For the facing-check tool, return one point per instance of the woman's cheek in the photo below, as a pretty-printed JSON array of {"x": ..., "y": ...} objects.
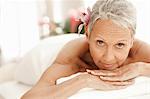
[
  {"x": 96, "y": 54},
  {"x": 121, "y": 56}
]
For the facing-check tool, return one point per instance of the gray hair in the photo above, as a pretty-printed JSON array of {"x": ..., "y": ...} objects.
[{"x": 121, "y": 12}]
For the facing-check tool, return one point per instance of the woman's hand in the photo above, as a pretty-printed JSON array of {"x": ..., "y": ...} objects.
[
  {"x": 95, "y": 82},
  {"x": 124, "y": 73}
]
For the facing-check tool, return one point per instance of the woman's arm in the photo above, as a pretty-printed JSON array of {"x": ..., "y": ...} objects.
[
  {"x": 61, "y": 91},
  {"x": 66, "y": 89},
  {"x": 56, "y": 71},
  {"x": 49, "y": 78},
  {"x": 145, "y": 71}
]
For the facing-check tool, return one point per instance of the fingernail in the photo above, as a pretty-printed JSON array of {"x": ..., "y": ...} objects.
[
  {"x": 103, "y": 77},
  {"x": 92, "y": 72},
  {"x": 88, "y": 70}
]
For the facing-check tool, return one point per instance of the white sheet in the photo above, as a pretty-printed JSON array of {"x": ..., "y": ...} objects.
[
  {"x": 13, "y": 90},
  {"x": 140, "y": 90}
]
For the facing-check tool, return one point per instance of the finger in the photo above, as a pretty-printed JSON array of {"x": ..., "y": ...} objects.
[
  {"x": 89, "y": 71},
  {"x": 119, "y": 85},
  {"x": 123, "y": 83},
  {"x": 102, "y": 73},
  {"x": 113, "y": 87},
  {"x": 116, "y": 78}
]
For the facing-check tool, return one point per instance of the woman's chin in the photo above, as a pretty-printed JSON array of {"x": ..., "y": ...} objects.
[{"x": 108, "y": 67}]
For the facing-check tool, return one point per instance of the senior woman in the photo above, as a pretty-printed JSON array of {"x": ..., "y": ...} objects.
[{"x": 109, "y": 56}]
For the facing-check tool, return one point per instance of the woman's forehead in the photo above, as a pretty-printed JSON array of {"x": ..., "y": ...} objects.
[{"x": 107, "y": 29}]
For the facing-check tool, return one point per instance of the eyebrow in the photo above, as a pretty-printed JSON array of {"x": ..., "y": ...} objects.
[{"x": 105, "y": 40}]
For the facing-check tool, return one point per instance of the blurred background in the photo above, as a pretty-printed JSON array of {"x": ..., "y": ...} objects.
[{"x": 23, "y": 23}]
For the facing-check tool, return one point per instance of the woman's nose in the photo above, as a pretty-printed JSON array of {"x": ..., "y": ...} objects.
[{"x": 109, "y": 56}]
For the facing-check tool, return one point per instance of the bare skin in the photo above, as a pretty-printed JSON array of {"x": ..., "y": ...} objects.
[{"x": 81, "y": 54}]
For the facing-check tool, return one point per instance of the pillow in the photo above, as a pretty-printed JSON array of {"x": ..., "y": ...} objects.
[{"x": 36, "y": 61}]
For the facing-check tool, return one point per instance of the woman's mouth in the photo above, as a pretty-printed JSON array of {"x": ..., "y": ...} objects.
[{"x": 108, "y": 65}]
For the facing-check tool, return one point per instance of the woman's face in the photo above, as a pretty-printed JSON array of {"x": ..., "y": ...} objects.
[{"x": 109, "y": 44}]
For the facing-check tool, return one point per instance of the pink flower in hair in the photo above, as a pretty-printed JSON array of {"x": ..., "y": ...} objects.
[{"x": 84, "y": 16}]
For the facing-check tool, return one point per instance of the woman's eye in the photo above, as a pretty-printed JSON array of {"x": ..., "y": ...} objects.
[
  {"x": 100, "y": 42},
  {"x": 120, "y": 45}
]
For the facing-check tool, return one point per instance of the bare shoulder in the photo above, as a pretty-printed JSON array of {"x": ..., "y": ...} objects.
[
  {"x": 140, "y": 51},
  {"x": 65, "y": 63},
  {"x": 73, "y": 49}
]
